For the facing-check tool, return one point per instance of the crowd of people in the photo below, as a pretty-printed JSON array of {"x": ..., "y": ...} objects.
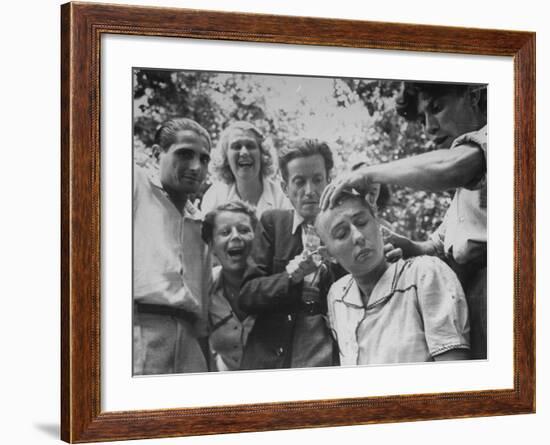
[{"x": 306, "y": 274}]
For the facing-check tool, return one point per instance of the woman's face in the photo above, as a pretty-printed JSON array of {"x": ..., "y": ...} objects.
[
  {"x": 232, "y": 240},
  {"x": 448, "y": 116},
  {"x": 352, "y": 236},
  {"x": 243, "y": 155}
]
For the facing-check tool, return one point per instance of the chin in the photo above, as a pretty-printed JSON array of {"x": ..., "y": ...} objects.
[{"x": 308, "y": 212}]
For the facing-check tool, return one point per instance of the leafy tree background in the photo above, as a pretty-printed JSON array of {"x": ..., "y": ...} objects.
[{"x": 356, "y": 117}]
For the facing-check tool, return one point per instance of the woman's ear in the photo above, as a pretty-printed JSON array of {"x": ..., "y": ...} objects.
[{"x": 156, "y": 151}]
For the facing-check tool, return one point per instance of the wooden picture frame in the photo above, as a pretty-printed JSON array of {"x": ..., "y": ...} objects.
[{"x": 82, "y": 26}]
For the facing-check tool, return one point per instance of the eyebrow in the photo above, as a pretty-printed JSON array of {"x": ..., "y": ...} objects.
[
  {"x": 203, "y": 151},
  {"x": 359, "y": 213}
]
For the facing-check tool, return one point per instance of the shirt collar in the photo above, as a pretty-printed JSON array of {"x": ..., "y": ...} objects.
[
  {"x": 382, "y": 290},
  {"x": 189, "y": 210},
  {"x": 296, "y": 221}
]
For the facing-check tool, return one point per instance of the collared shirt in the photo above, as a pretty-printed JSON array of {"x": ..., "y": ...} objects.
[
  {"x": 171, "y": 262},
  {"x": 220, "y": 193},
  {"x": 416, "y": 311},
  {"x": 228, "y": 334},
  {"x": 297, "y": 222},
  {"x": 463, "y": 233}
]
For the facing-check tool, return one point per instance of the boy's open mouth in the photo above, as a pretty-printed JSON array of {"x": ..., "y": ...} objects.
[{"x": 235, "y": 252}]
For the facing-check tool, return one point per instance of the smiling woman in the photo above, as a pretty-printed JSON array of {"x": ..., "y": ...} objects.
[{"x": 243, "y": 165}]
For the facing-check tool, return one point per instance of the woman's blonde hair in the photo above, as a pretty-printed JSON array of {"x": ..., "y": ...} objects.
[{"x": 220, "y": 164}]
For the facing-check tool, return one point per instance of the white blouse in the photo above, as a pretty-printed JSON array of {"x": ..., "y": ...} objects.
[{"x": 219, "y": 193}]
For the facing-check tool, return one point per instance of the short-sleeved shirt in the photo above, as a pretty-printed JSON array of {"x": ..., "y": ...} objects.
[
  {"x": 228, "y": 334},
  {"x": 171, "y": 262},
  {"x": 220, "y": 193},
  {"x": 416, "y": 311},
  {"x": 463, "y": 233}
]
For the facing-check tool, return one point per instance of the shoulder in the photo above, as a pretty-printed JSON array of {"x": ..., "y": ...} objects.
[
  {"x": 277, "y": 216},
  {"x": 429, "y": 271},
  {"x": 140, "y": 175},
  {"x": 142, "y": 183},
  {"x": 423, "y": 264},
  {"x": 274, "y": 188},
  {"x": 218, "y": 190},
  {"x": 216, "y": 194},
  {"x": 340, "y": 287},
  {"x": 477, "y": 138},
  {"x": 274, "y": 196}
]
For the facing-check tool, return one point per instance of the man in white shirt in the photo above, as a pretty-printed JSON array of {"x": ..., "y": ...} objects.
[{"x": 171, "y": 267}]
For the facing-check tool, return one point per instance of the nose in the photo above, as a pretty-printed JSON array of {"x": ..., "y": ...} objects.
[
  {"x": 356, "y": 236},
  {"x": 432, "y": 125},
  {"x": 195, "y": 164},
  {"x": 243, "y": 150},
  {"x": 309, "y": 188},
  {"x": 235, "y": 233}
]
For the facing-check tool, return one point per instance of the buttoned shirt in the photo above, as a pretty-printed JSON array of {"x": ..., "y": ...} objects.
[
  {"x": 171, "y": 263},
  {"x": 463, "y": 233},
  {"x": 220, "y": 193},
  {"x": 416, "y": 311},
  {"x": 228, "y": 334}
]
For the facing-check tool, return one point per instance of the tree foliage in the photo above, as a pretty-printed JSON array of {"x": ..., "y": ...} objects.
[{"x": 357, "y": 117}]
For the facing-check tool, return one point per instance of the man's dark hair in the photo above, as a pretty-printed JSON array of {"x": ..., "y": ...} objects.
[
  {"x": 407, "y": 100},
  {"x": 304, "y": 148},
  {"x": 166, "y": 134}
]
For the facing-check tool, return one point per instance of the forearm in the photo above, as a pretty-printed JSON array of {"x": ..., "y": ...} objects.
[
  {"x": 418, "y": 248},
  {"x": 437, "y": 170},
  {"x": 261, "y": 293}
]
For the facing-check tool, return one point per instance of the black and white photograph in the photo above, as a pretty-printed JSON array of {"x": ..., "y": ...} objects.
[{"x": 284, "y": 221}]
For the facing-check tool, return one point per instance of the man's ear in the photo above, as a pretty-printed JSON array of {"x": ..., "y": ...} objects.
[{"x": 156, "y": 151}]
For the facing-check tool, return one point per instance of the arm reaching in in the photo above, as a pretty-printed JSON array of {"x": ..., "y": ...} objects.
[{"x": 436, "y": 170}]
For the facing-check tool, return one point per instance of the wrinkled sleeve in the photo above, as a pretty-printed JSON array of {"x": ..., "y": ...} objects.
[
  {"x": 443, "y": 306},
  {"x": 476, "y": 139}
]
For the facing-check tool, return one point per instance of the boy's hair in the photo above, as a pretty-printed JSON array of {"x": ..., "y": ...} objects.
[
  {"x": 220, "y": 164},
  {"x": 303, "y": 148},
  {"x": 237, "y": 206},
  {"x": 407, "y": 100},
  {"x": 167, "y": 133}
]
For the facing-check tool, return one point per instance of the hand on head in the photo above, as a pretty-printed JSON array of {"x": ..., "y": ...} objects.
[{"x": 358, "y": 180}]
